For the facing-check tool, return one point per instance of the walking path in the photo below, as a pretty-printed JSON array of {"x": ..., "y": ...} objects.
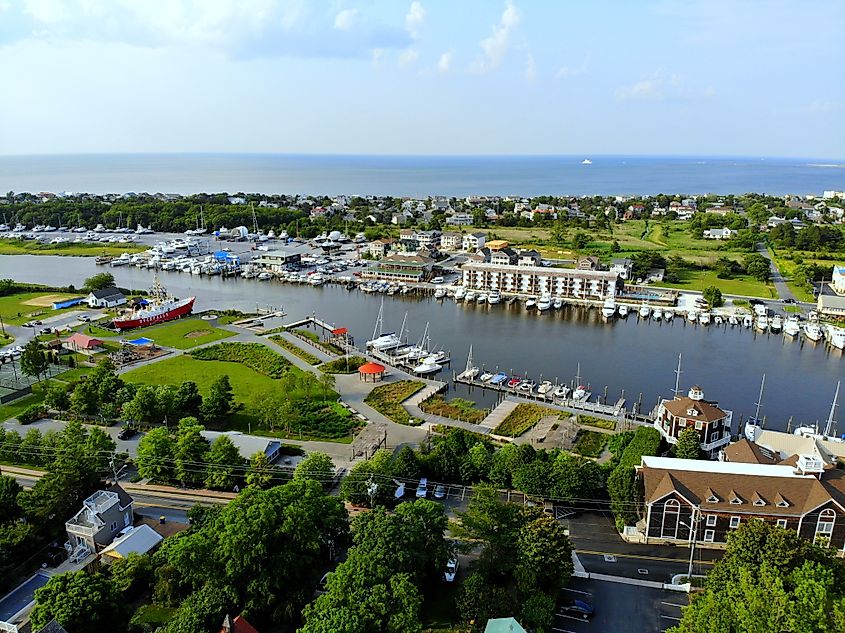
[{"x": 497, "y": 415}]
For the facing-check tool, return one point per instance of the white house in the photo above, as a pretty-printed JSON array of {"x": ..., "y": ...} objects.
[
  {"x": 473, "y": 241},
  {"x": 719, "y": 234},
  {"x": 622, "y": 267},
  {"x": 459, "y": 218},
  {"x": 837, "y": 281},
  {"x": 105, "y": 298}
]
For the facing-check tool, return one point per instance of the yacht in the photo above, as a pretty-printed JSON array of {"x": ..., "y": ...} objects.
[
  {"x": 718, "y": 320},
  {"x": 645, "y": 311},
  {"x": 623, "y": 311},
  {"x": 608, "y": 310},
  {"x": 776, "y": 324},
  {"x": 580, "y": 393},
  {"x": 668, "y": 315},
  {"x": 560, "y": 392},
  {"x": 527, "y": 386},
  {"x": 836, "y": 336},
  {"x": 791, "y": 327},
  {"x": 494, "y": 297},
  {"x": 586, "y": 161},
  {"x": 747, "y": 321},
  {"x": 439, "y": 293},
  {"x": 692, "y": 316},
  {"x": 429, "y": 365},
  {"x": 545, "y": 387},
  {"x": 530, "y": 304},
  {"x": 762, "y": 322},
  {"x": 470, "y": 296},
  {"x": 460, "y": 293},
  {"x": 704, "y": 318},
  {"x": 486, "y": 376},
  {"x": 481, "y": 298},
  {"x": 557, "y": 304},
  {"x": 544, "y": 302},
  {"x": 813, "y": 332},
  {"x": 657, "y": 314}
]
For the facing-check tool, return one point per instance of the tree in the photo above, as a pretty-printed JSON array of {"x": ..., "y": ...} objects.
[
  {"x": 99, "y": 281},
  {"x": 132, "y": 574},
  {"x": 317, "y": 466},
  {"x": 143, "y": 408},
  {"x": 33, "y": 361},
  {"x": 538, "y": 611},
  {"x": 480, "y": 601},
  {"x": 769, "y": 579},
  {"x": 189, "y": 451},
  {"x": 218, "y": 403},
  {"x": 580, "y": 241},
  {"x": 713, "y": 296},
  {"x": 9, "y": 508},
  {"x": 155, "y": 455},
  {"x": 84, "y": 398},
  {"x": 544, "y": 556},
  {"x": 223, "y": 461},
  {"x": 260, "y": 473},
  {"x": 688, "y": 445},
  {"x": 188, "y": 400},
  {"x": 57, "y": 397},
  {"x": 757, "y": 266},
  {"x": 80, "y": 602}
]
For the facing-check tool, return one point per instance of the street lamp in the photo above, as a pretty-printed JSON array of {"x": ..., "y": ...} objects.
[{"x": 693, "y": 533}]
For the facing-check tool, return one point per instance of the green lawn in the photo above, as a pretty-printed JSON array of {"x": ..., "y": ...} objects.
[
  {"x": 182, "y": 333},
  {"x": 590, "y": 443},
  {"x": 153, "y": 615},
  {"x": 522, "y": 418},
  {"x": 14, "y": 408},
  {"x": 32, "y": 247},
  {"x": 787, "y": 269},
  {"x": 739, "y": 285},
  {"x": 19, "y": 308},
  {"x": 387, "y": 399}
]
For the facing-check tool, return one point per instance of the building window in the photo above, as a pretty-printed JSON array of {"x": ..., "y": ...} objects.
[
  {"x": 712, "y": 499},
  {"x": 114, "y": 526},
  {"x": 781, "y": 523},
  {"x": 734, "y": 522},
  {"x": 699, "y": 425},
  {"x": 711, "y": 520},
  {"x": 736, "y": 501},
  {"x": 671, "y": 513},
  {"x": 824, "y": 526},
  {"x": 709, "y": 535}
]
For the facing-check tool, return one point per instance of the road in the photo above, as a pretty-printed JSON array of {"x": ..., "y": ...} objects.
[{"x": 777, "y": 279}]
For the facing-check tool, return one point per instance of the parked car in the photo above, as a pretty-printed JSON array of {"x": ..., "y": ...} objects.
[
  {"x": 422, "y": 489},
  {"x": 84, "y": 317},
  {"x": 126, "y": 433},
  {"x": 790, "y": 300},
  {"x": 439, "y": 491},
  {"x": 577, "y": 609},
  {"x": 451, "y": 570},
  {"x": 437, "y": 280}
]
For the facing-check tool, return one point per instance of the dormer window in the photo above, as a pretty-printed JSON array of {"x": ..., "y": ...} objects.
[
  {"x": 783, "y": 503},
  {"x": 735, "y": 500},
  {"x": 712, "y": 499},
  {"x": 692, "y": 412},
  {"x": 758, "y": 500}
]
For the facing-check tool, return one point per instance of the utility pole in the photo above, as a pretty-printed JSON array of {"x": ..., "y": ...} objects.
[{"x": 694, "y": 533}]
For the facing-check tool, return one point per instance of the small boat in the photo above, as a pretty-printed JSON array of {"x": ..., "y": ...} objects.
[
  {"x": 645, "y": 311},
  {"x": 747, "y": 321},
  {"x": 486, "y": 376},
  {"x": 776, "y": 324},
  {"x": 527, "y": 386},
  {"x": 704, "y": 318},
  {"x": 557, "y": 304},
  {"x": 471, "y": 370},
  {"x": 544, "y": 302},
  {"x": 561, "y": 392},
  {"x": 494, "y": 297},
  {"x": 668, "y": 315},
  {"x": 718, "y": 320},
  {"x": 481, "y": 298},
  {"x": 791, "y": 327},
  {"x": 813, "y": 332},
  {"x": 586, "y": 161},
  {"x": 499, "y": 378},
  {"x": 513, "y": 383},
  {"x": 762, "y": 323},
  {"x": 460, "y": 293},
  {"x": 608, "y": 310},
  {"x": 440, "y": 293},
  {"x": 692, "y": 316},
  {"x": 657, "y": 314},
  {"x": 580, "y": 393},
  {"x": 545, "y": 387},
  {"x": 733, "y": 320},
  {"x": 812, "y": 315},
  {"x": 428, "y": 366},
  {"x": 530, "y": 304},
  {"x": 836, "y": 336},
  {"x": 470, "y": 296},
  {"x": 623, "y": 311},
  {"x": 265, "y": 276}
]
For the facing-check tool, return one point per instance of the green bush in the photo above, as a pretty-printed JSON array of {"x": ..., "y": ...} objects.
[
  {"x": 456, "y": 409},
  {"x": 256, "y": 356},
  {"x": 343, "y": 365},
  {"x": 599, "y": 423},
  {"x": 590, "y": 443},
  {"x": 387, "y": 399},
  {"x": 522, "y": 418},
  {"x": 295, "y": 350},
  {"x": 32, "y": 413}
]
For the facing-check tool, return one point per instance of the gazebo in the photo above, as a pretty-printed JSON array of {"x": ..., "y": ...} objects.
[{"x": 371, "y": 372}]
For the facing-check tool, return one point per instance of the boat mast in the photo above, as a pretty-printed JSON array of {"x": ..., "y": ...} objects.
[
  {"x": 678, "y": 372},
  {"x": 469, "y": 360},
  {"x": 402, "y": 329},
  {"x": 254, "y": 219},
  {"x": 578, "y": 375},
  {"x": 759, "y": 401},
  {"x": 378, "y": 327},
  {"x": 833, "y": 406}
]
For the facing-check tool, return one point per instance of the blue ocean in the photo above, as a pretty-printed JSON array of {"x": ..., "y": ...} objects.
[{"x": 417, "y": 175}]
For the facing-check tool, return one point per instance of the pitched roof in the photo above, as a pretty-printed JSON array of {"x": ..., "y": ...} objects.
[
  {"x": 701, "y": 410},
  {"x": 138, "y": 540},
  {"x": 83, "y": 341},
  {"x": 750, "y": 453},
  {"x": 52, "y": 627},
  {"x": 503, "y": 625},
  {"x": 238, "y": 624},
  {"x": 104, "y": 293},
  {"x": 124, "y": 497},
  {"x": 698, "y": 481}
]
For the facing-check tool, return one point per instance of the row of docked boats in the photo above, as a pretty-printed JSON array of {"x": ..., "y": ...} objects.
[
  {"x": 421, "y": 358},
  {"x": 542, "y": 303}
]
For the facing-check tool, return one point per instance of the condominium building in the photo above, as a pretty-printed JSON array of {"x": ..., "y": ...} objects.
[{"x": 592, "y": 285}]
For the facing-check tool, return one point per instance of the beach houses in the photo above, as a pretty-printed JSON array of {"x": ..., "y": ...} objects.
[
  {"x": 103, "y": 515},
  {"x": 379, "y": 248},
  {"x": 837, "y": 280},
  {"x": 451, "y": 240},
  {"x": 593, "y": 285},
  {"x": 473, "y": 241},
  {"x": 622, "y": 267},
  {"x": 719, "y": 234},
  {"x": 712, "y": 423}
]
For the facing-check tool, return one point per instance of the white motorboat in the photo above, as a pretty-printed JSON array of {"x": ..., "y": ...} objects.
[
  {"x": 580, "y": 393},
  {"x": 668, "y": 315},
  {"x": 494, "y": 297},
  {"x": 526, "y": 386},
  {"x": 460, "y": 293},
  {"x": 545, "y": 387},
  {"x": 747, "y": 321},
  {"x": 704, "y": 318},
  {"x": 530, "y": 304},
  {"x": 481, "y": 298},
  {"x": 428, "y": 366},
  {"x": 486, "y": 376},
  {"x": 813, "y": 332},
  {"x": 623, "y": 311},
  {"x": 718, "y": 320},
  {"x": 733, "y": 320},
  {"x": 657, "y": 315},
  {"x": 791, "y": 327},
  {"x": 560, "y": 392},
  {"x": 470, "y": 296},
  {"x": 557, "y": 304},
  {"x": 440, "y": 292},
  {"x": 836, "y": 336},
  {"x": 776, "y": 324},
  {"x": 608, "y": 310},
  {"x": 762, "y": 322},
  {"x": 692, "y": 316},
  {"x": 645, "y": 311},
  {"x": 544, "y": 302}
]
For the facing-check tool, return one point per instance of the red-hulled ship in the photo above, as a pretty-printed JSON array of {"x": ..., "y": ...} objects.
[{"x": 159, "y": 308}]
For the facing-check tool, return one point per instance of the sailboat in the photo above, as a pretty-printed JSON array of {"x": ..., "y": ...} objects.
[
  {"x": 813, "y": 431},
  {"x": 471, "y": 370},
  {"x": 755, "y": 423},
  {"x": 382, "y": 341},
  {"x": 201, "y": 228}
]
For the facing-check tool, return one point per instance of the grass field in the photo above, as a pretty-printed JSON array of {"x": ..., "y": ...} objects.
[
  {"x": 32, "y": 247},
  {"x": 387, "y": 399},
  {"x": 456, "y": 409},
  {"x": 20, "y": 308},
  {"x": 13, "y": 408},
  {"x": 522, "y": 418},
  {"x": 739, "y": 285},
  {"x": 787, "y": 270},
  {"x": 181, "y": 334}
]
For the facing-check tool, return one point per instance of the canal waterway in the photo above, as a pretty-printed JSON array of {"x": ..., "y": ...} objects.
[{"x": 630, "y": 355}]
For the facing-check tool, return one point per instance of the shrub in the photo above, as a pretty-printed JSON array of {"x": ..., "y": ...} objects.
[
  {"x": 590, "y": 443},
  {"x": 295, "y": 350},
  {"x": 32, "y": 413},
  {"x": 456, "y": 409},
  {"x": 599, "y": 423},
  {"x": 522, "y": 418},
  {"x": 387, "y": 399},
  {"x": 256, "y": 356},
  {"x": 343, "y": 365}
]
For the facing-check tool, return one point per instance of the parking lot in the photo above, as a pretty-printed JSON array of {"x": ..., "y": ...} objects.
[{"x": 620, "y": 607}]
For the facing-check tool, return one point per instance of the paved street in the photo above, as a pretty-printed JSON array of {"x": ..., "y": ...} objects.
[{"x": 777, "y": 279}]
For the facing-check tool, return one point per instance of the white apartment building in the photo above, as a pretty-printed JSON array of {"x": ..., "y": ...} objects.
[{"x": 591, "y": 285}]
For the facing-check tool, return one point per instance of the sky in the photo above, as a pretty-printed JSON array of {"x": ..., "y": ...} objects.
[{"x": 663, "y": 77}]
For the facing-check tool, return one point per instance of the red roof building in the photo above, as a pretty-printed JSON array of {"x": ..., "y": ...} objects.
[
  {"x": 237, "y": 625},
  {"x": 78, "y": 342},
  {"x": 371, "y": 371}
]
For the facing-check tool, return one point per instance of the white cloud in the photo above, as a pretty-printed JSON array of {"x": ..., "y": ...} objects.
[
  {"x": 497, "y": 43},
  {"x": 408, "y": 57},
  {"x": 343, "y": 20},
  {"x": 569, "y": 71},
  {"x": 530, "y": 68},
  {"x": 663, "y": 87},
  {"x": 445, "y": 62},
  {"x": 414, "y": 18}
]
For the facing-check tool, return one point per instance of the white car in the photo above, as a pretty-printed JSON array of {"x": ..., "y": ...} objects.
[
  {"x": 439, "y": 491},
  {"x": 451, "y": 570},
  {"x": 422, "y": 489},
  {"x": 437, "y": 280}
]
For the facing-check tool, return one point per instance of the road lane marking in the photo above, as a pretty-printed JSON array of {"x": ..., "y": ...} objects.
[
  {"x": 643, "y": 557},
  {"x": 672, "y": 604},
  {"x": 583, "y": 593},
  {"x": 670, "y": 617}
]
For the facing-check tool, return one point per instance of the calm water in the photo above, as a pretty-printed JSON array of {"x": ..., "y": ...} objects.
[
  {"x": 417, "y": 175},
  {"x": 636, "y": 357}
]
